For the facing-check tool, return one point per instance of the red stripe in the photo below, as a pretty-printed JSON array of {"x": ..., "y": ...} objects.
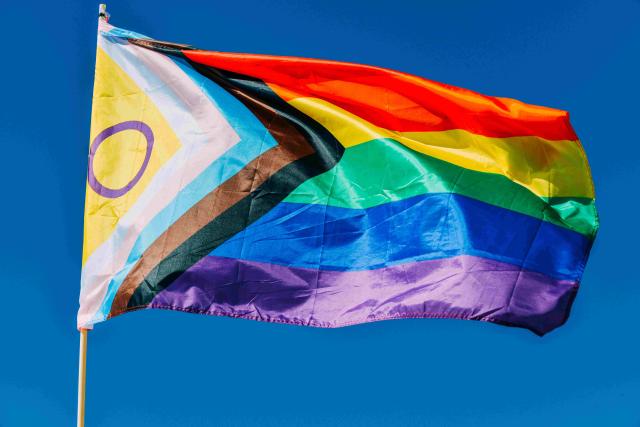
[{"x": 394, "y": 100}]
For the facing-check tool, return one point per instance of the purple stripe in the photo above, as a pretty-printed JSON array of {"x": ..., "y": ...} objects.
[{"x": 463, "y": 287}]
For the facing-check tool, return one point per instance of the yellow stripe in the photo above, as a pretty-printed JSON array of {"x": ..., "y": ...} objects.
[{"x": 546, "y": 168}]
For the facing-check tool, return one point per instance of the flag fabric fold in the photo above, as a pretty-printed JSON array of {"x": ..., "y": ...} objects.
[{"x": 323, "y": 193}]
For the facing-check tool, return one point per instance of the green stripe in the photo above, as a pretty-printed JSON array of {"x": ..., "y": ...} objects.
[{"x": 383, "y": 170}]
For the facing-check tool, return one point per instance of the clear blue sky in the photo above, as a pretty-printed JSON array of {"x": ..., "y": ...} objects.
[{"x": 170, "y": 369}]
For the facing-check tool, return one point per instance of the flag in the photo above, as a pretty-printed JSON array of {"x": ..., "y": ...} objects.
[{"x": 323, "y": 193}]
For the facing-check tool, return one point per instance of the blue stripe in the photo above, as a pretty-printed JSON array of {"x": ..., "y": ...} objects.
[{"x": 430, "y": 226}]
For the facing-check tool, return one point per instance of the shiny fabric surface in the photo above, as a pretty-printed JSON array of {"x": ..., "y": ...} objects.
[
  {"x": 321, "y": 193},
  {"x": 462, "y": 287}
]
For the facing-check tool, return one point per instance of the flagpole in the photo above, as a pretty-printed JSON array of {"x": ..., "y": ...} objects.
[
  {"x": 82, "y": 358},
  {"x": 82, "y": 375}
]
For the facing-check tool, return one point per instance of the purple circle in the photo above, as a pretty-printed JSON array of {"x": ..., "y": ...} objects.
[{"x": 96, "y": 185}]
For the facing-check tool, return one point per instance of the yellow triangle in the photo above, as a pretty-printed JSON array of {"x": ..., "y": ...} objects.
[{"x": 119, "y": 158}]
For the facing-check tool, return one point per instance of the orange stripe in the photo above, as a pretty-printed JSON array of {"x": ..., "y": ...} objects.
[{"x": 394, "y": 100}]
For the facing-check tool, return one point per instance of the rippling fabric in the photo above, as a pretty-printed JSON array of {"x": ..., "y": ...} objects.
[{"x": 322, "y": 193}]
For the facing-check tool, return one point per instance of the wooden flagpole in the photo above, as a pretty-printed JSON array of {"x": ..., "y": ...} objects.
[
  {"x": 82, "y": 375},
  {"x": 82, "y": 360}
]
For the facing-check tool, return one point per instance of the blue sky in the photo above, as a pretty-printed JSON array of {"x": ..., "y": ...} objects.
[{"x": 166, "y": 369}]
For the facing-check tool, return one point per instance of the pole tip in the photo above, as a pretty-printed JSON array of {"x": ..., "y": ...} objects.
[{"x": 102, "y": 12}]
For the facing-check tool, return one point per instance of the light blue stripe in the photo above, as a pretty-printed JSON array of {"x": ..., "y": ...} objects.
[
  {"x": 255, "y": 139},
  {"x": 124, "y": 34}
]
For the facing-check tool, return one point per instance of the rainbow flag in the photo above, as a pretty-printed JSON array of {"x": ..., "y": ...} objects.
[{"x": 324, "y": 193}]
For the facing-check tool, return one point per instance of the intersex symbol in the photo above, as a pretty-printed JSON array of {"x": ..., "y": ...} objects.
[{"x": 96, "y": 185}]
